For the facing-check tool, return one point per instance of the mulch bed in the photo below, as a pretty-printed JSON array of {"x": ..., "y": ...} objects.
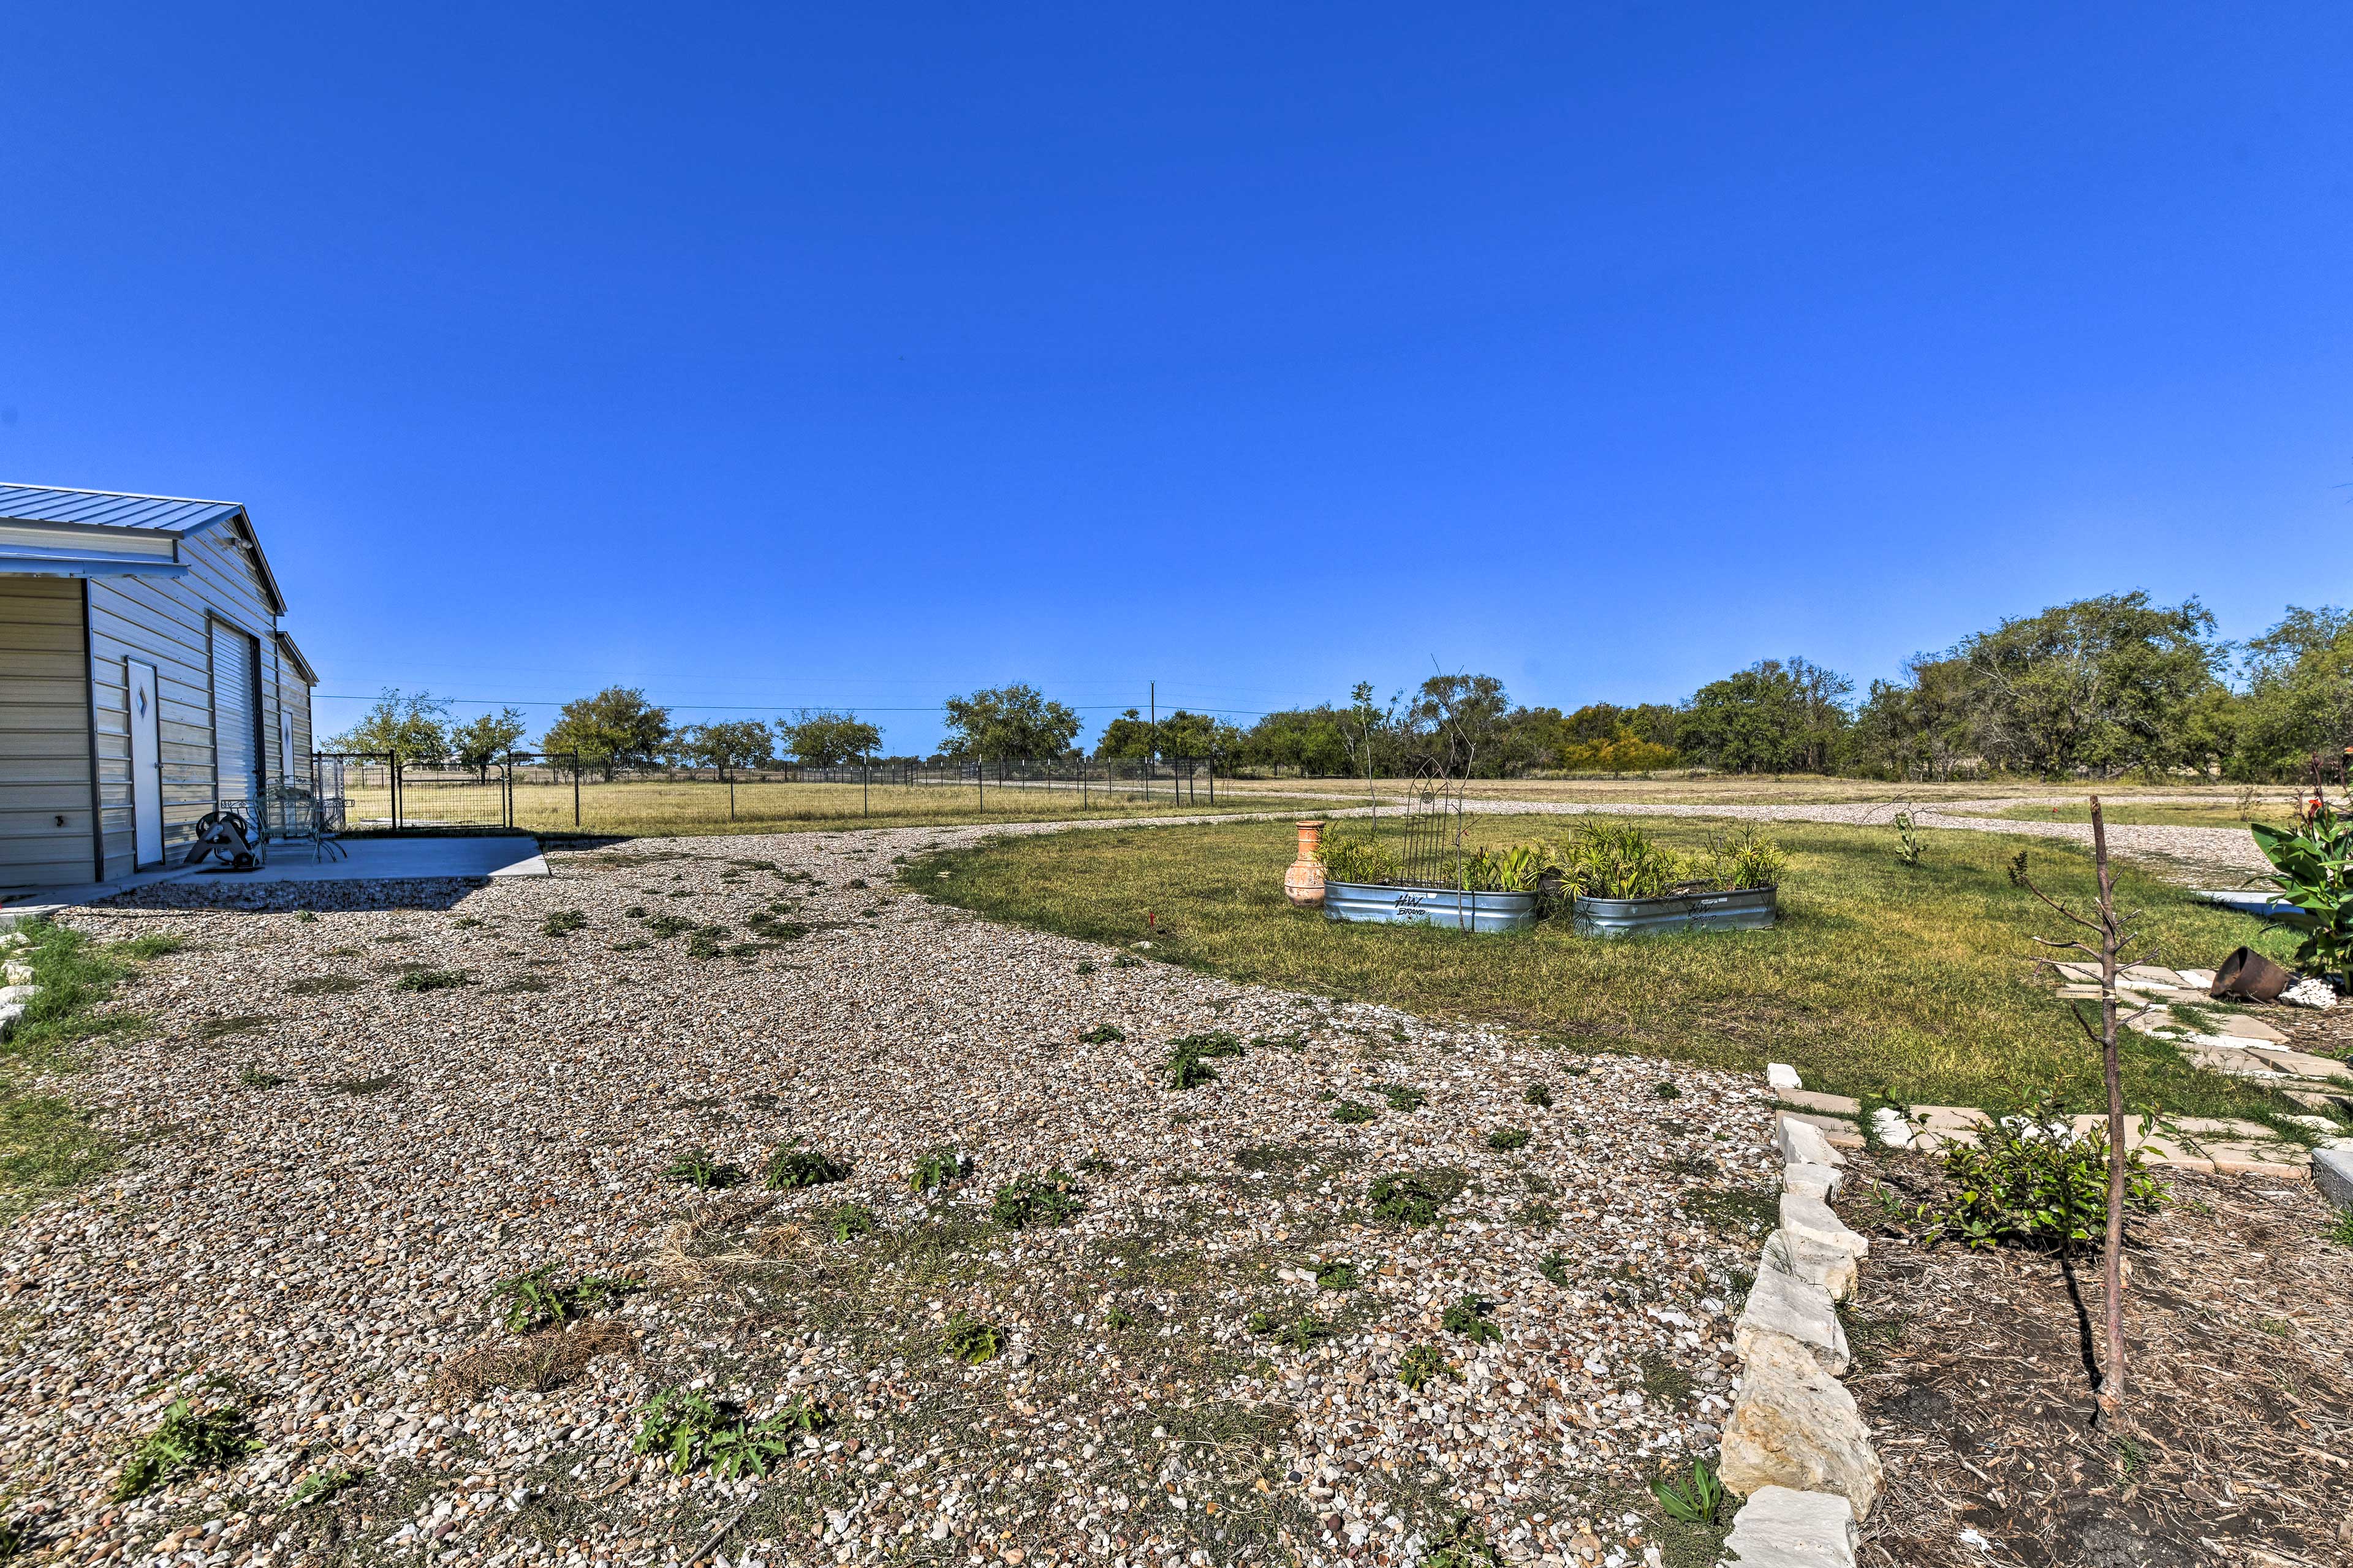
[{"x": 1974, "y": 1372}]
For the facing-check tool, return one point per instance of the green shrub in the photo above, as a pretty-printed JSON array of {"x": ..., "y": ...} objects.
[
  {"x": 2029, "y": 1180},
  {"x": 1042, "y": 1197},
  {"x": 1746, "y": 859},
  {"x": 2312, "y": 865},
  {"x": 1504, "y": 1140},
  {"x": 1606, "y": 859},
  {"x": 185, "y": 1441},
  {"x": 793, "y": 1168}
]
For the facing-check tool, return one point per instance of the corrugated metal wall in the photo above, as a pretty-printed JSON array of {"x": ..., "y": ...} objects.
[
  {"x": 44, "y": 734},
  {"x": 164, "y": 619}
]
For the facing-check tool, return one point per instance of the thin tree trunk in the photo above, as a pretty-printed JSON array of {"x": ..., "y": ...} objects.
[{"x": 2112, "y": 1382}]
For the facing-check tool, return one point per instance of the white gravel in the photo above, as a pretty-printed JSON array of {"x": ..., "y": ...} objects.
[{"x": 320, "y": 1251}]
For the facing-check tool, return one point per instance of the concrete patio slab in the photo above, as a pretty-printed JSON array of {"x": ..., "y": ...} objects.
[{"x": 492, "y": 858}]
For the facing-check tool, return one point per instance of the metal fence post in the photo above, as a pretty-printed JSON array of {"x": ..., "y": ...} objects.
[
  {"x": 395, "y": 792},
  {"x": 576, "y": 790}
]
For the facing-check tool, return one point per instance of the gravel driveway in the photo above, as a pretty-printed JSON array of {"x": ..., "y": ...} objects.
[{"x": 1172, "y": 1381}]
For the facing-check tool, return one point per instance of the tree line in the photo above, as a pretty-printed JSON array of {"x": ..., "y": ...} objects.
[{"x": 2099, "y": 687}]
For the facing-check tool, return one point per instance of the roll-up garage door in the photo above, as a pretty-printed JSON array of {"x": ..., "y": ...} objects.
[{"x": 236, "y": 707}]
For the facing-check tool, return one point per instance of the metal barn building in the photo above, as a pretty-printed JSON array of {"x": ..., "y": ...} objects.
[{"x": 144, "y": 680}]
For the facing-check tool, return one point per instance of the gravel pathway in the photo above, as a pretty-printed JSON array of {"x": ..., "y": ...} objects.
[{"x": 329, "y": 1173}]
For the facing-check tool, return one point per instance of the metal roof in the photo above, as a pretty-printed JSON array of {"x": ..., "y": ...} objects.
[{"x": 109, "y": 508}]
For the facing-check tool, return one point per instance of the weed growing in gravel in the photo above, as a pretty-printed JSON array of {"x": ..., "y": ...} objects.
[
  {"x": 1537, "y": 1214},
  {"x": 968, "y": 1340},
  {"x": 1696, "y": 1502},
  {"x": 320, "y": 1485},
  {"x": 433, "y": 979},
  {"x": 324, "y": 985},
  {"x": 634, "y": 944},
  {"x": 1103, "y": 1034},
  {"x": 668, "y": 926},
  {"x": 1743, "y": 1211},
  {"x": 1188, "y": 1065},
  {"x": 698, "y": 1169},
  {"x": 1337, "y": 1276},
  {"x": 563, "y": 922},
  {"x": 183, "y": 1442},
  {"x": 254, "y": 1078},
  {"x": 1663, "y": 1380},
  {"x": 523, "y": 983},
  {"x": 1419, "y": 1366},
  {"x": 1555, "y": 1269},
  {"x": 940, "y": 1167},
  {"x": 1123, "y": 962},
  {"x": 793, "y": 1168},
  {"x": 847, "y": 1222},
  {"x": 532, "y": 1301},
  {"x": 1216, "y": 1043},
  {"x": 706, "y": 942},
  {"x": 634, "y": 913},
  {"x": 1118, "y": 1319},
  {"x": 2341, "y": 1233},
  {"x": 1304, "y": 1332},
  {"x": 343, "y": 952},
  {"x": 1039, "y": 1197},
  {"x": 767, "y": 926},
  {"x": 468, "y": 922},
  {"x": 1538, "y": 1096},
  {"x": 155, "y": 945},
  {"x": 690, "y": 1432},
  {"x": 1465, "y": 1546},
  {"x": 1469, "y": 1318},
  {"x": 1349, "y": 1112},
  {"x": 1414, "y": 1197},
  {"x": 1666, "y": 1091},
  {"x": 306, "y": 915},
  {"x": 1507, "y": 1140},
  {"x": 1402, "y": 1097},
  {"x": 221, "y": 1028},
  {"x": 1085, "y": 967}
]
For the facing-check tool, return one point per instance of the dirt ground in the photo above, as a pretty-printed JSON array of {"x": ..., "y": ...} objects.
[{"x": 1974, "y": 1371}]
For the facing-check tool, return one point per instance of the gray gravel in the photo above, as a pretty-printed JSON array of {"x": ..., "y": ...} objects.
[{"x": 319, "y": 1252}]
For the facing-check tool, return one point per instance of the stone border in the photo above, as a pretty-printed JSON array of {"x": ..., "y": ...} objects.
[{"x": 1795, "y": 1446}]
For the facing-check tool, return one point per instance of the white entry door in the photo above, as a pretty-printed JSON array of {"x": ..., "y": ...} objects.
[{"x": 146, "y": 766}]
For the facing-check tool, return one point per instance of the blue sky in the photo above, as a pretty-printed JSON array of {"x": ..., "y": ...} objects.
[{"x": 856, "y": 355}]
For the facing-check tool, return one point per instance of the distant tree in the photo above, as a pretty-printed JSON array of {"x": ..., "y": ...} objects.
[
  {"x": 488, "y": 738},
  {"x": 731, "y": 746},
  {"x": 617, "y": 727},
  {"x": 1128, "y": 738},
  {"x": 411, "y": 728},
  {"x": 1773, "y": 716},
  {"x": 1192, "y": 736},
  {"x": 1370, "y": 735},
  {"x": 824, "y": 738},
  {"x": 2098, "y": 686},
  {"x": 2299, "y": 698},
  {"x": 1006, "y": 724},
  {"x": 1459, "y": 720}
]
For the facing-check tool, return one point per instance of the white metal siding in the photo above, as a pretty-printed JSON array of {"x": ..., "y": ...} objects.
[{"x": 44, "y": 734}]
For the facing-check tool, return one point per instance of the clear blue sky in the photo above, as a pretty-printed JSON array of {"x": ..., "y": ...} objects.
[{"x": 858, "y": 354}]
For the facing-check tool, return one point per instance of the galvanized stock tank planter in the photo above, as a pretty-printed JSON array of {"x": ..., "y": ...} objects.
[
  {"x": 1741, "y": 908},
  {"x": 1444, "y": 907}
]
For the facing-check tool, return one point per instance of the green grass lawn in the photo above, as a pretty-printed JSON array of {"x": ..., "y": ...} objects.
[{"x": 1915, "y": 986}]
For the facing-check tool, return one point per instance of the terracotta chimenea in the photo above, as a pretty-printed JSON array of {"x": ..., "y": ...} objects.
[{"x": 1303, "y": 883}]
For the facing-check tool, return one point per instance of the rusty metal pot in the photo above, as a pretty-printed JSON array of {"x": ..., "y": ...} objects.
[{"x": 2247, "y": 976}]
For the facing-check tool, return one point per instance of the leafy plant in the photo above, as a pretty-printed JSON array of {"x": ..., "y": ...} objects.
[
  {"x": 1304, "y": 1332},
  {"x": 1696, "y": 1502},
  {"x": 185, "y": 1441},
  {"x": 254, "y": 1078},
  {"x": 320, "y": 1485},
  {"x": 1538, "y": 1096},
  {"x": 1413, "y": 1197},
  {"x": 940, "y": 1167},
  {"x": 1043, "y": 1198},
  {"x": 1468, "y": 1317},
  {"x": 1553, "y": 1267},
  {"x": 155, "y": 945},
  {"x": 433, "y": 979},
  {"x": 1102, "y": 1034},
  {"x": 847, "y": 1222},
  {"x": 1337, "y": 1276},
  {"x": 1665, "y": 1090},
  {"x": 1746, "y": 859},
  {"x": 1188, "y": 1065},
  {"x": 532, "y": 1301},
  {"x": 667, "y": 926},
  {"x": 1349, "y": 857},
  {"x": 2341, "y": 1232},
  {"x": 563, "y": 922},
  {"x": 2312, "y": 865},
  {"x": 1604, "y": 859},
  {"x": 793, "y": 1168},
  {"x": 1465, "y": 1546},
  {"x": 1124, "y": 961},
  {"x": 2029, "y": 1180},
  {"x": 700, "y": 1170},
  {"x": 968, "y": 1340},
  {"x": 1419, "y": 1366},
  {"x": 1119, "y": 1318},
  {"x": 1350, "y": 1113},
  {"x": 1908, "y": 848},
  {"x": 1504, "y": 1140},
  {"x": 692, "y": 1432},
  {"x": 1085, "y": 966},
  {"x": 1402, "y": 1097}
]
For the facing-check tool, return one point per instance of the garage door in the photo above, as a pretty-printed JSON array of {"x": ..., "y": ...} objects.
[{"x": 236, "y": 707}]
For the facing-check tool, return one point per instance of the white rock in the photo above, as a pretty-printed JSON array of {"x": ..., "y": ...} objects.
[
  {"x": 1796, "y": 1426},
  {"x": 2310, "y": 992},
  {"x": 1888, "y": 1125},
  {"x": 1780, "y": 1526},
  {"x": 1784, "y": 1306},
  {"x": 1781, "y": 1075},
  {"x": 1810, "y": 1219},
  {"x": 1814, "y": 1181},
  {"x": 16, "y": 972},
  {"x": 1802, "y": 1143},
  {"x": 1831, "y": 1267}
]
